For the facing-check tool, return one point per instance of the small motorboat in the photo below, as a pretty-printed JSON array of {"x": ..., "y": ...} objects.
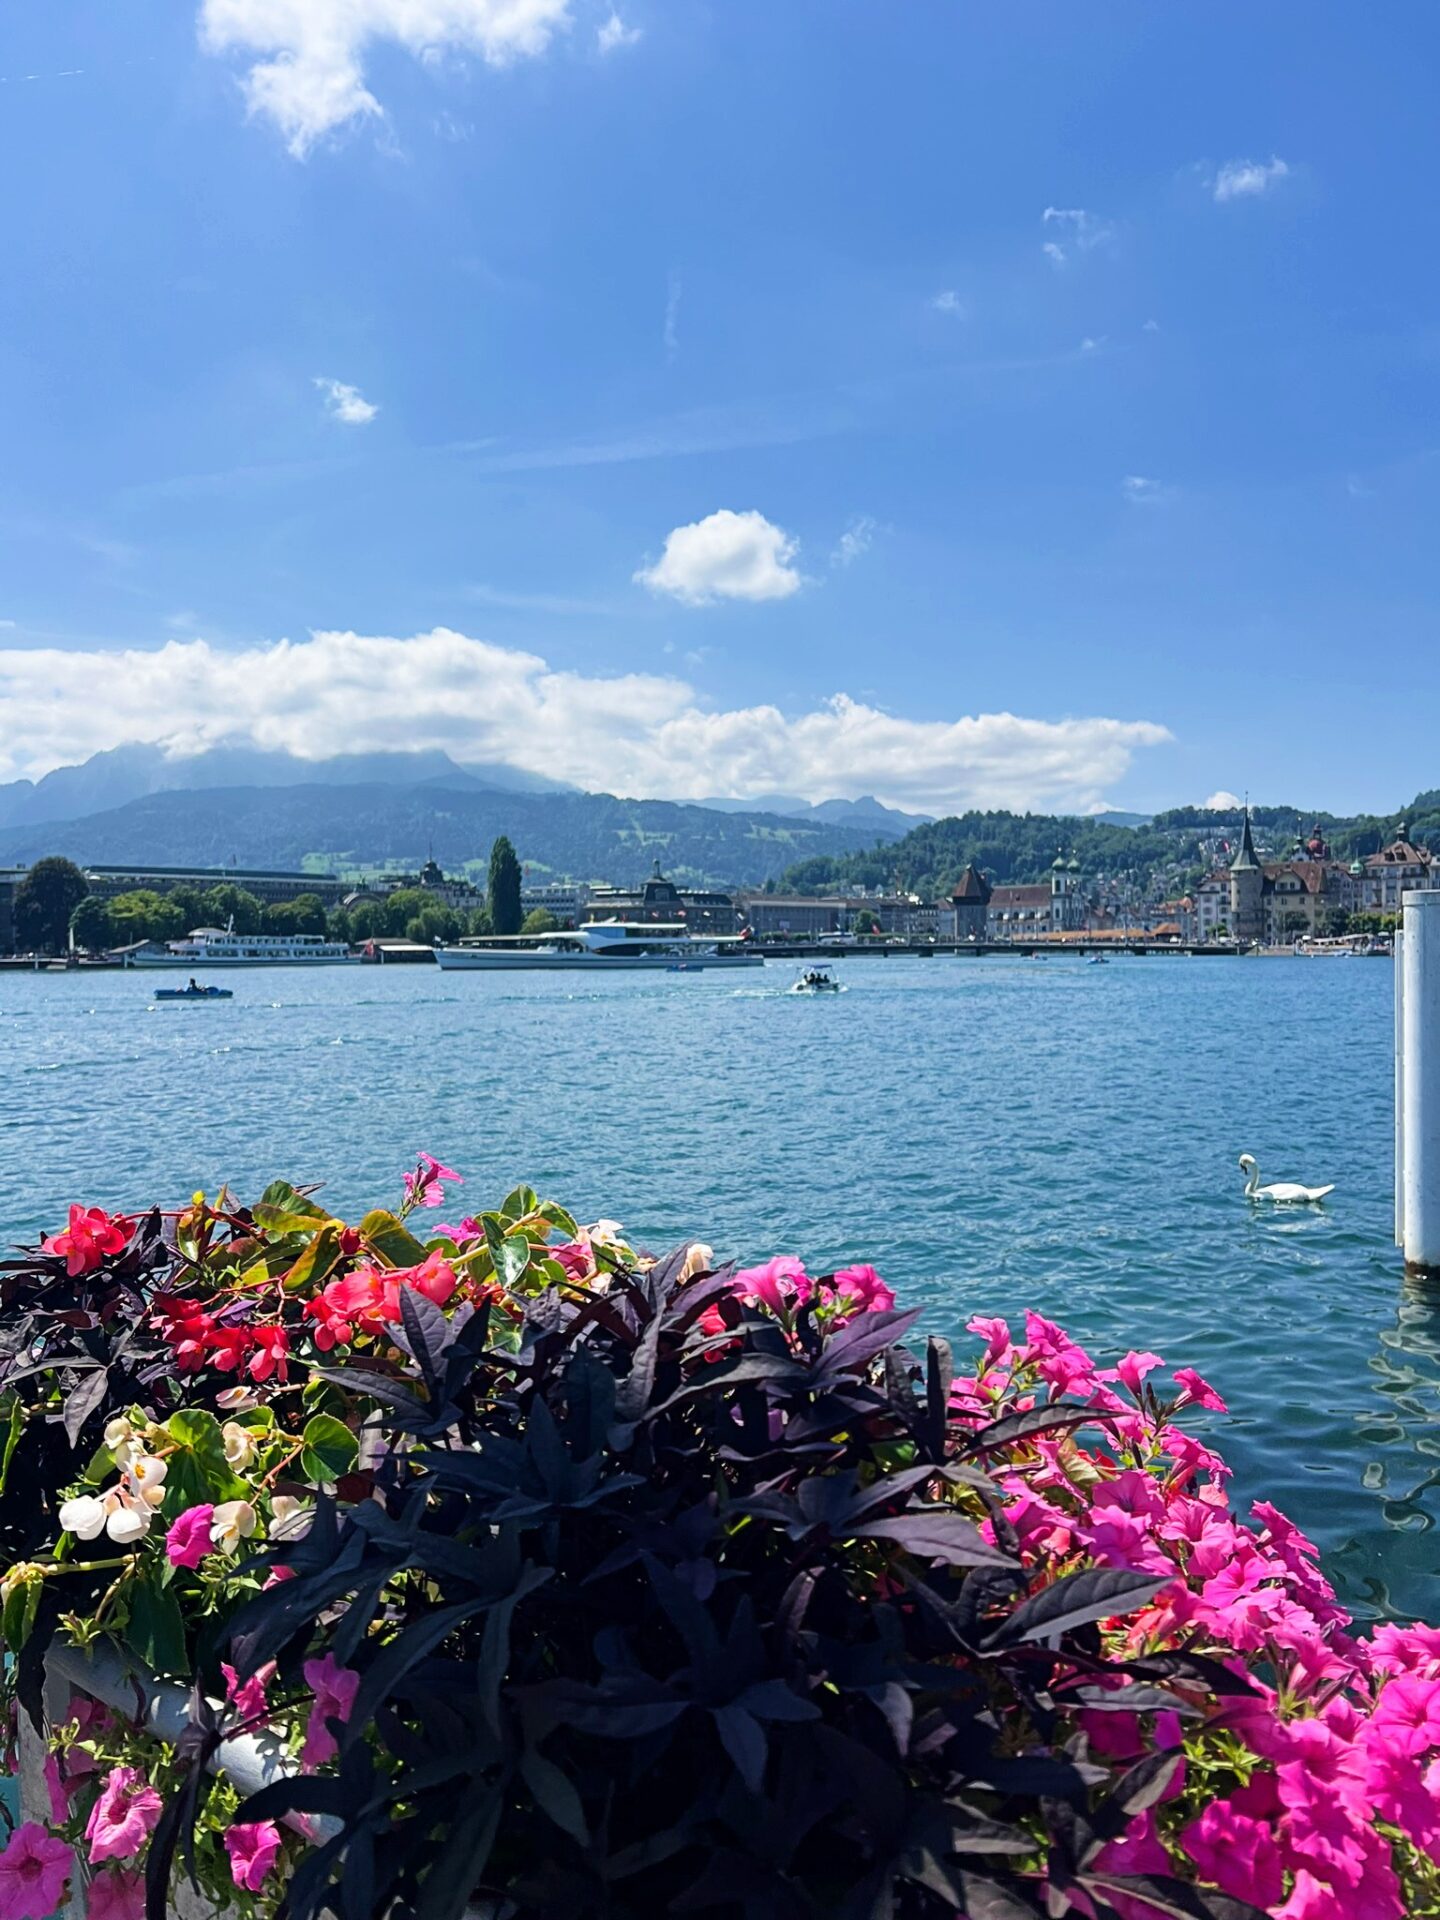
[
  {"x": 817, "y": 980},
  {"x": 193, "y": 992},
  {"x": 1099, "y": 960}
]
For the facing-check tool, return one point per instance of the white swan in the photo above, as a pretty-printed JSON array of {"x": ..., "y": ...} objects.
[{"x": 1284, "y": 1192}]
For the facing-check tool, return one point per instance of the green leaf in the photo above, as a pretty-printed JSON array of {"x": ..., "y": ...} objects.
[
  {"x": 14, "y": 1427},
  {"x": 512, "y": 1257},
  {"x": 330, "y": 1449},
  {"x": 555, "y": 1215},
  {"x": 18, "y": 1616},
  {"x": 282, "y": 1209},
  {"x": 316, "y": 1261},
  {"x": 197, "y": 1469},
  {"x": 519, "y": 1203},
  {"x": 157, "y": 1628},
  {"x": 392, "y": 1239}
]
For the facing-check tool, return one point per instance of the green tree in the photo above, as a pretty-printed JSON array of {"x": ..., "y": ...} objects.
[
  {"x": 44, "y": 902},
  {"x": 539, "y": 920},
  {"x": 402, "y": 906},
  {"x": 504, "y": 890},
  {"x": 432, "y": 923},
  {"x": 227, "y": 902},
  {"x": 867, "y": 921},
  {"x": 480, "y": 922},
  {"x": 90, "y": 925},
  {"x": 304, "y": 914},
  {"x": 146, "y": 915},
  {"x": 190, "y": 903},
  {"x": 366, "y": 921}
]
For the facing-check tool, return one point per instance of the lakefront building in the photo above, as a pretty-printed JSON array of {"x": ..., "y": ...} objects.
[
  {"x": 661, "y": 903},
  {"x": 1056, "y": 906},
  {"x": 268, "y": 885}
]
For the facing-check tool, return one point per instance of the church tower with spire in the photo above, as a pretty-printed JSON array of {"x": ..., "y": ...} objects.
[{"x": 1247, "y": 889}]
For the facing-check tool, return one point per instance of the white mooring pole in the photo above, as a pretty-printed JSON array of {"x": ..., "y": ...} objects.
[{"x": 1417, "y": 1082}]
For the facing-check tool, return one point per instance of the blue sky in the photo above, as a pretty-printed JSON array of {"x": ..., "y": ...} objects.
[{"x": 1167, "y": 499}]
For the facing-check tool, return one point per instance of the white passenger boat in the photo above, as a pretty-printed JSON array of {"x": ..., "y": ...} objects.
[
  {"x": 610, "y": 946},
  {"x": 218, "y": 947}
]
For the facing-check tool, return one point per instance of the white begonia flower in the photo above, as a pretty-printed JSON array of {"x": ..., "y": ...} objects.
[
  {"x": 84, "y": 1516},
  {"x": 145, "y": 1476},
  {"x": 127, "y": 1520},
  {"x": 240, "y": 1448},
  {"x": 291, "y": 1518},
  {"x": 232, "y": 1522},
  {"x": 236, "y": 1400},
  {"x": 605, "y": 1233},
  {"x": 698, "y": 1259}
]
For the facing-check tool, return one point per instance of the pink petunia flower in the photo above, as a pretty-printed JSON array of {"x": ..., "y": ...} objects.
[
  {"x": 995, "y": 1334},
  {"x": 861, "y": 1290},
  {"x": 188, "y": 1540},
  {"x": 1236, "y": 1853},
  {"x": 780, "y": 1284},
  {"x": 116, "y": 1896},
  {"x": 1133, "y": 1368},
  {"x": 253, "y": 1850},
  {"x": 334, "y": 1688},
  {"x": 33, "y": 1871},
  {"x": 425, "y": 1187},
  {"x": 248, "y": 1697},
  {"x": 124, "y": 1816},
  {"x": 1195, "y": 1392}
]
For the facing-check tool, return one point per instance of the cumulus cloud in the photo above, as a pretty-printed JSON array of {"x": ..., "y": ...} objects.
[
  {"x": 346, "y": 403},
  {"x": 1221, "y": 802},
  {"x": 614, "y": 33},
  {"x": 1139, "y": 489},
  {"x": 1073, "y": 231},
  {"x": 308, "y": 70},
  {"x": 634, "y": 734},
  {"x": 949, "y": 302},
  {"x": 726, "y": 556},
  {"x": 1247, "y": 179}
]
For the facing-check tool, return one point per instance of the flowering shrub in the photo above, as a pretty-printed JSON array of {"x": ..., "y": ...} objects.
[{"x": 566, "y": 1581}]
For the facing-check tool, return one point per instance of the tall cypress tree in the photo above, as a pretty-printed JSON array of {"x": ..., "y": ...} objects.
[{"x": 505, "y": 909}]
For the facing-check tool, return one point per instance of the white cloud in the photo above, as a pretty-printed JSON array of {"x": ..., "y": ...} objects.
[
  {"x": 1221, "y": 802},
  {"x": 633, "y": 734},
  {"x": 1092, "y": 345},
  {"x": 1246, "y": 179},
  {"x": 309, "y": 76},
  {"x": 949, "y": 302},
  {"x": 726, "y": 556},
  {"x": 1151, "y": 326},
  {"x": 1075, "y": 231},
  {"x": 614, "y": 34},
  {"x": 1137, "y": 488},
  {"x": 346, "y": 403},
  {"x": 7, "y": 624},
  {"x": 857, "y": 538}
]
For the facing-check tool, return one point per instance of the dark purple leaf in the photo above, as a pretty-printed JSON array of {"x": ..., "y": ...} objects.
[
  {"x": 82, "y": 1400},
  {"x": 1076, "y": 1599},
  {"x": 937, "y": 1533}
]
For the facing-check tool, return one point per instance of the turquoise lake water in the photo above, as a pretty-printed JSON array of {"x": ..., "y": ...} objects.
[{"x": 990, "y": 1134}]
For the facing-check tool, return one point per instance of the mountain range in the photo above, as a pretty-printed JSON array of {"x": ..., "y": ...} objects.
[{"x": 242, "y": 806}]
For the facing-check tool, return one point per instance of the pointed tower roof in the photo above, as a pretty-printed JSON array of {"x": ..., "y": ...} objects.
[
  {"x": 972, "y": 886},
  {"x": 1245, "y": 861}
]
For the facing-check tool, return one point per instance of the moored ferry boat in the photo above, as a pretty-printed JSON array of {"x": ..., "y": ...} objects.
[
  {"x": 220, "y": 947},
  {"x": 610, "y": 946}
]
